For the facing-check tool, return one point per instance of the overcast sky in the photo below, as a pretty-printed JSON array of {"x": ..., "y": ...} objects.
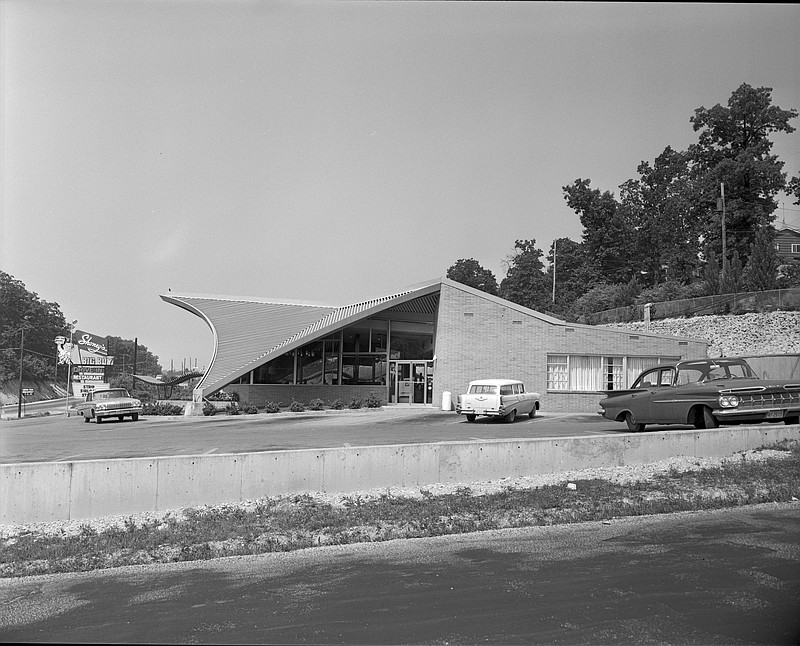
[{"x": 336, "y": 151}]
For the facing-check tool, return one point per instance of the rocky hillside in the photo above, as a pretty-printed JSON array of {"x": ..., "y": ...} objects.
[{"x": 731, "y": 335}]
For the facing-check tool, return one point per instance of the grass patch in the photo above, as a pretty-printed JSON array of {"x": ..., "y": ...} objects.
[{"x": 301, "y": 521}]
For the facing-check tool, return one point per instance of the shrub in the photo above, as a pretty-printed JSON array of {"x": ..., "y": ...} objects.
[
  {"x": 209, "y": 408},
  {"x": 337, "y": 404},
  {"x": 355, "y": 403},
  {"x": 373, "y": 401},
  {"x": 296, "y": 406},
  {"x": 272, "y": 407},
  {"x": 232, "y": 408},
  {"x": 161, "y": 408},
  {"x": 316, "y": 404},
  {"x": 249, "y": 409}
]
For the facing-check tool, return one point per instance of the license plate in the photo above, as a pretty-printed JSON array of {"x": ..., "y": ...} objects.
[{"x": 772, "y": 414}]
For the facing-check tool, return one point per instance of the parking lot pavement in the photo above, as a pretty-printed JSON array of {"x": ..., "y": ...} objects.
[{"x": 62, "y": 438}]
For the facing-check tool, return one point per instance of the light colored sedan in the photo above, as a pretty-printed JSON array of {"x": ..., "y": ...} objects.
[
  {"x": 504, "y": 398},
  {"x": 110, "y": 402}
]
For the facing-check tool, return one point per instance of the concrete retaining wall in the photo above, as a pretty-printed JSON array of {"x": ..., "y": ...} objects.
[{"x": 57, "y": 491}]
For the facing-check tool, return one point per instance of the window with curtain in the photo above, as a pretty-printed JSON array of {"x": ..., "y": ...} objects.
[{"x": 581, "y": 373}]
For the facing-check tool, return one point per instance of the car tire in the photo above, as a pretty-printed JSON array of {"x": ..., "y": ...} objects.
[
  {"x": 633, "y": 427},
  {"x": 471, "y": 417},
  {"x": 85, "y": 418},
  {"x": 709, "y": 421},
  {"x": 135, "y": 417},
  {"x": 793, "y": 419},
  {"x": 512, "y": 415},
  {"x": 532, "y": 414},
  {"x": 121, "y": 418},
  {"x": 98, "y": 419}
]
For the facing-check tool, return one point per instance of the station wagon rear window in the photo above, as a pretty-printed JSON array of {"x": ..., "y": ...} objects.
[{"x": 482, "y": 389}]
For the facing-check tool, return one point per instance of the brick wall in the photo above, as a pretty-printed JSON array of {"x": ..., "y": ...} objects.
[
  {"x": 481, "y": 337},
  {"x": 260, "y": 394}
]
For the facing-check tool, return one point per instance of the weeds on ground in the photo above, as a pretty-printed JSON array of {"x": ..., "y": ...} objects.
[{"x": 300, "y": 521}]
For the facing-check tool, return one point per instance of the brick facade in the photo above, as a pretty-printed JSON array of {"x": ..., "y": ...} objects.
[{"x": 480, "y": 336}]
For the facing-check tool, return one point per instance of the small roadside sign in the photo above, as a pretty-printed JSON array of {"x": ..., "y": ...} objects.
[{"x": 27, "y": 391}]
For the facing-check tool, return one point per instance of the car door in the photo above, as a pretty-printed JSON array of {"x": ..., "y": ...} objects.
[
  {"x": 641, "y": 402},
  {"x": 663, "y": 405}
]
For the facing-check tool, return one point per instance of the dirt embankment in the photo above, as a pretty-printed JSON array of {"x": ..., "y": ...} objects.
[{"x": 733, "y": 335}]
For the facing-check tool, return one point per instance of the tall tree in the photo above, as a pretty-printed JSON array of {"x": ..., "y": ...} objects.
[
  {"x": 574, "y": 273},
  {"x": 468, "y": 271},
  {"x": 761, "y": 272},
  {"x": 41, "y": 321},
  {"x": 607, "y": 230},
  {"x": 666, "y": 229},
  {"x": 734, "y": 149},
  {"x": 526, "y": 283}
]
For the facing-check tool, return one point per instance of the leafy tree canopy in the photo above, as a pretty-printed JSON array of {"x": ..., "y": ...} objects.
[{"x": 468, "y": 271}]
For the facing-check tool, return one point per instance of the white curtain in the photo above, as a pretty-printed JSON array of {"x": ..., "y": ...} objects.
[{"x": 585, "y": 373}]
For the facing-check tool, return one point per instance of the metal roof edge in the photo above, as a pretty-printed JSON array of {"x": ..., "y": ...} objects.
[{"x": 248, "y": 299}]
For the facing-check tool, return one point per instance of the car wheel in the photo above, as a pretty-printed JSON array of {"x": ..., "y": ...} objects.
[
  {"x": 98, "y": 419},
  {"x": 709, "y": 421},
  {"x": 794, "y": 419},
  {"x": 633, "y": 427},
  {"x": 85, "y": 418},
  {"x": 471, "y": 417},
  {"x": 135, "y": 417},
  {"x": 512, "y": 415},
  {"x": 121, "y": 418}
]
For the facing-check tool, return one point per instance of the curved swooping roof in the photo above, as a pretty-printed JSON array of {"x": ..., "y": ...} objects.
[{"x": 248, "y": 332}]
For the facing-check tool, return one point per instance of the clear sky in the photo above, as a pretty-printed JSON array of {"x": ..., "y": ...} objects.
[{"x": 336, "y": 151}]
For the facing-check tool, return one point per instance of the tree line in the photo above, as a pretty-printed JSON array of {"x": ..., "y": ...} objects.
[
  {"x": 31, "y": 324},
  {"x": 692, "y": 223}
]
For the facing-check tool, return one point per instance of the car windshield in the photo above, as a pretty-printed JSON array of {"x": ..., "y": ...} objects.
[
  {"x": 712, "y": 371},
  {"x": 482, "y": 389},
  {"x": 110, "y": 394}
]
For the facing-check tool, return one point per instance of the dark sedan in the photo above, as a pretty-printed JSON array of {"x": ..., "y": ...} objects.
[{"x": 704, "y": 393}]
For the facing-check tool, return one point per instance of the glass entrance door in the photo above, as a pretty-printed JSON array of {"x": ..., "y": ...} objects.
[{"x": 411, "y": 382}]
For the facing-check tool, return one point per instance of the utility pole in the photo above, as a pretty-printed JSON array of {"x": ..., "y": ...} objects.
[
  {"x": 724, "y": 242},
  {"x": 21, "y": 350},
  {"x": 554, "y": 270}
]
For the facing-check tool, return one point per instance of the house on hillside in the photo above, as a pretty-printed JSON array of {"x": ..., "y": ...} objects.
[
  {"x": 787, "y": 243},
  {"x": 413, "y": 346}
]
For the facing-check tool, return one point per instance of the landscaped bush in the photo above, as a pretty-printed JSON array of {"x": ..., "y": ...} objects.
[
  {"x": 249, "y": 409},
  {"x": 355, "y": 403},
  {"x": 162, "y": 408},
  {"x": 316, "y": 404},
  {"x": 296, "y": 406},
  {"x": 373, "y": 401},
  {"x": 232, "y": 408},
  {"x": 209, "y": 409},
  {"x": 337, "y": 404},
  {"x": 272, "y": 407}
]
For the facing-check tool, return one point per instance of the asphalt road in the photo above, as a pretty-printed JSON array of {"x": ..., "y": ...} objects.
[
  {"x": 722, "y": 577},
  {"x": 61, "y": 438}
]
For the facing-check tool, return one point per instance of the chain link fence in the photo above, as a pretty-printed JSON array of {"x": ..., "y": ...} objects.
[{"x": 738, "y": 303}]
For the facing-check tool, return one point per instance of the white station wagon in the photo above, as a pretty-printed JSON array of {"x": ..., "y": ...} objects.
[{"x": 504, "y": 398}]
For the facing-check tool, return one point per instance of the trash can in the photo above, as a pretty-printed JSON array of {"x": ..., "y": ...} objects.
[{"x": 447, "y": 400}]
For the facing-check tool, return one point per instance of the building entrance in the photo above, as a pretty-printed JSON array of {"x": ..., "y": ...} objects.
[{"x": 411, "y": 382}]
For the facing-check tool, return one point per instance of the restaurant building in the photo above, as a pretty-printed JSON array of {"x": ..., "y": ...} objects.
[{"x": 420, "y": 346}]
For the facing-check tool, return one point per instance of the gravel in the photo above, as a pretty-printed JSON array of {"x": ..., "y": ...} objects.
[
  {"x": 618, "y": 474},
  {"x": 731, "y": 335}
]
